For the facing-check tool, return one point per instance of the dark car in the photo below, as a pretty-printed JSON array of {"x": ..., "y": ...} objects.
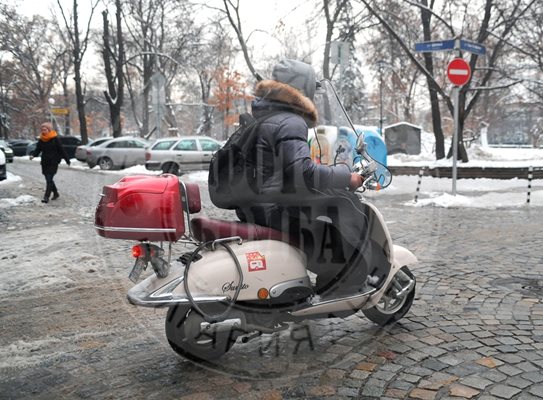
[
  {"x": 19, "y": 146},
  {"x": 69, "y": 144}
]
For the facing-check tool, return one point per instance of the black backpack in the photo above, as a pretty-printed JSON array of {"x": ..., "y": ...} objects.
[{"x": 232, "y": 171}]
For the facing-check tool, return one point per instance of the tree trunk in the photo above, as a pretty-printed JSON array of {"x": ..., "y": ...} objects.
[
  {"x": 426, "y": 17},
  {"x": 66, "y": 105},
  {"x": 115, "y": 93},
  {"x": 462, "y": 153},
  {"x": 80, "y": 98},
  {"x": 206, "y": 120}
]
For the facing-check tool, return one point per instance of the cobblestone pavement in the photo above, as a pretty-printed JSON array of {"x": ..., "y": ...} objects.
[{"x": 475, "y": 330}]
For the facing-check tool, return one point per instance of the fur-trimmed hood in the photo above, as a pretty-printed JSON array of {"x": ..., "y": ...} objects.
[{"x": 280, "y": 92}]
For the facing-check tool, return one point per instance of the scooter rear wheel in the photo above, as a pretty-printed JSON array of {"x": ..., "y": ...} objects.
[
  {"x": 390, "y": 309},
  {"x": 186, "y": 339}
]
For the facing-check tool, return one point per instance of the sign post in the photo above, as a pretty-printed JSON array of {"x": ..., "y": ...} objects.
[
  {"x": 159, "y": 99},
  {"x": 339, "y": 54},
  {"x": 459, "y": 73}
]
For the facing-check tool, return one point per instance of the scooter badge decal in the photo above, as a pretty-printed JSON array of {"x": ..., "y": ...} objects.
[{"x": 256, "y": 261}]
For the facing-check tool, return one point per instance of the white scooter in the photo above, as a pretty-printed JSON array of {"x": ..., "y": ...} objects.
[{"x": 240, "y": 281}]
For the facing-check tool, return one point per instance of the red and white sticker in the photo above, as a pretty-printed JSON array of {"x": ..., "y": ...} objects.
[{"x": 256, "y": 261}]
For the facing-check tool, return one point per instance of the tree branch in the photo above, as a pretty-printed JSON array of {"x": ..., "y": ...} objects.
[
  {"x": 429, "y": 10},
  {"x": 408, "y": 53}
]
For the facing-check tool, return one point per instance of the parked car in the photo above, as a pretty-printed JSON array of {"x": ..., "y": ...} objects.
[
  {"x": 69, "y": 144},
  {"x": 121, "y": 152},
  {"x": 19, "y": 146},
  {"x": 8, "y": 153},
  {"x": 180, "y": 154},
  {"x": 81, "y": 150},
  {"x": 3, "y": 171}
]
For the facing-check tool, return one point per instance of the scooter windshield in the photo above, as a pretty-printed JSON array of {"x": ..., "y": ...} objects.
[
  {"x": 329, "y": 107},
  {"x": 335, "y": 140}
]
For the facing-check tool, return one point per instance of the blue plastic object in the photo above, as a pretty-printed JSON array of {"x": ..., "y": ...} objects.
[{"x": 377, "y": 148}]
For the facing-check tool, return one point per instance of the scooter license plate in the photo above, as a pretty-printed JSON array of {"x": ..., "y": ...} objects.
[{"x": 139, "y": 266}]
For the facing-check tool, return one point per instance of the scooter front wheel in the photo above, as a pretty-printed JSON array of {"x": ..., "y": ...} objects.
[
  {"x": 392, "y": 307},
  {"x": 183, "y": 330}
]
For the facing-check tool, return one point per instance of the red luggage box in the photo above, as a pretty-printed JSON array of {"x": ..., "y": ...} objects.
[{"x": 141, "y": 207}]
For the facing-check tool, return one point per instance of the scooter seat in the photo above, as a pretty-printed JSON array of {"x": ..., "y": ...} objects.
[{"x": 207, "y": 229}]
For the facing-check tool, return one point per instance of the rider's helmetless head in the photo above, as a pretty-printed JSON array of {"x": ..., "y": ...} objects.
[{"x": 297, "y": 74}]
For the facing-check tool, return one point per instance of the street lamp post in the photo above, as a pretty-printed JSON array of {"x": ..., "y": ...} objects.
[{"x": 51, "y": 104}]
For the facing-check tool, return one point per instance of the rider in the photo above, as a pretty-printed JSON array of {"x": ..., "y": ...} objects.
[{"x": 309, "y": 201}]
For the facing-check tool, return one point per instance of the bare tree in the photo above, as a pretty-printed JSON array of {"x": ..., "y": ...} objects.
[
  {"x": 215, "y": 55},
  {"x": 159, "y": 32},
  {"x": 34, "y": 66},
  {"x": 78, "y": 46},
  {"x": 426, "y": 18},
  {"x": 492, "y": 20},
  {"x": 65, "y": 68},
  {"x": 114, "y": 49},
  {"x": 7, "y": 82},
  {"x": 527, "y": 45},
  {"x": 332, "y": 16},
  {"x": 232, "y": 12}
]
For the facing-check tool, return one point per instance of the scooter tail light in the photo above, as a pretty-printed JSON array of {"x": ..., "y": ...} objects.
[{"x": 138, "y": 251}]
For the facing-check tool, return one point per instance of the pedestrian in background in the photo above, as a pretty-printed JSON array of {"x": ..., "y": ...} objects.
[{"x": 52, "y": 154}]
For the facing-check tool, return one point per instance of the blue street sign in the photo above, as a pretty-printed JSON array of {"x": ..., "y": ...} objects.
[
  {"x": 441, "y": 45},
  {"x": 472, "y": 47}
]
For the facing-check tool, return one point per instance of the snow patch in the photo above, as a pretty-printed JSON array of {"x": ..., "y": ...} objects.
[
  {"x": 22, "y": 353},
  {"x": 10, "y": 178},
  {"x": 491, "y": 200},
  {"x": 22, "y": 200}
]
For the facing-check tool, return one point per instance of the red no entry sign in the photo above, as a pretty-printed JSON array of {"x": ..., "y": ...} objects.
[{"x": 458, "y": 72}]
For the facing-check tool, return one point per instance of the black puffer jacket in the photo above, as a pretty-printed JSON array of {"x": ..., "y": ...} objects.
[
  {"x": 285, "y": 170},
  {"x": 52, "y": 154}
]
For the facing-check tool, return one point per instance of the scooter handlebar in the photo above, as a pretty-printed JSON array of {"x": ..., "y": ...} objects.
[{"x": 367, "y": 171}]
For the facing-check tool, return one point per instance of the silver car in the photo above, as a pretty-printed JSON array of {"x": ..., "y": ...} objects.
[
  {"x": 81, "y": 151},
  {"x": 121, "y": 152},
  {"x": 180, "y": 154}
]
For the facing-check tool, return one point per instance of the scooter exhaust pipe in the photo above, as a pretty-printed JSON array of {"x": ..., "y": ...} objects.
[{"x": 222, "y": 326}]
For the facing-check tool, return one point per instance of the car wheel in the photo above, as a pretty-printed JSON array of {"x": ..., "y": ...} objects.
[
  {"x": 105, "y": 163},
  {"x": 170, "y": 168}
]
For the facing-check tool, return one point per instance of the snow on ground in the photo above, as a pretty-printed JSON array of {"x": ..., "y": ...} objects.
[
  {"x": 10, "y": 179},
  {"x": 477, "y": 193},
  {"x": 20, "y": 200},
  {"x": 478, "y": 155}
]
